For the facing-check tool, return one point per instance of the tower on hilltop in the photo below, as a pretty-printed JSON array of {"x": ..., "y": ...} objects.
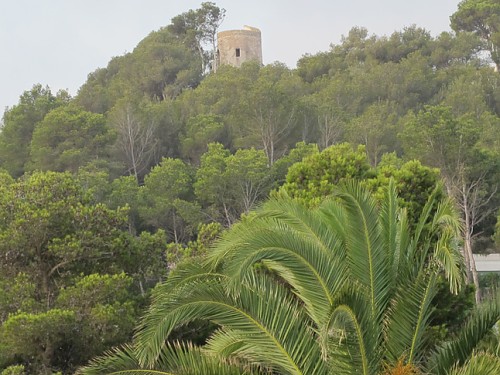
[{"x": 234, "y": 47}]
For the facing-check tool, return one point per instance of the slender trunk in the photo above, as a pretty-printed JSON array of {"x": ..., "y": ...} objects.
[
  {"x": 131, "y": 142},
  {"x": 47, "y": 355},
  {"x": 228, "y": 217},
  {"x": 467, "y": 264},
  {"x": 468, "y": 230},
  {"x": 176, "y": 240},
  {"x": 45, "y": 277},
  {"x": 476, "y": 281},
  {"x": 495, "y": 55},
  {"x": 305, "y": 129},
  {"x": 472, "y": 274},
  {"x": 45, "y": 286},
  {"x": 202, "y": 57},
  {"x": 271, "y": 158},
  {"x": 249, "y": 196},
  {"x": 141, "y": 287}
]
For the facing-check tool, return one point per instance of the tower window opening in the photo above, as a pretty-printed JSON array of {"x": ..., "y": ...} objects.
[{"x": 238, "y": 53}]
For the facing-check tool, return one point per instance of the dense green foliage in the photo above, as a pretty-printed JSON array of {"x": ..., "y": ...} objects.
[
  {"x": 103, "y": 194},
  {"x": 63, "y": 294},
  {"x": 19, "y": 124},
  {"x": 345, "y": 288},
  {"x": 480, "y": 17}
]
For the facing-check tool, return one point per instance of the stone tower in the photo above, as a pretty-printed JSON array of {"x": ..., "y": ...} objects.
[{"x": 234, "y": 47}]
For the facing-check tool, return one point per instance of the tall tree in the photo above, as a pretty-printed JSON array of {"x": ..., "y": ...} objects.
[
  {"x": 200, "y": 131},
  {"x": 497, "y": 231},
  {"x": 481, "y": 17},
  {"x": 271, "y": 106},
  {"x": 198, "y": 28},
  {"x": 68, "y": 138},
  {"x": 230, "y": 185},
  {"x": 49, "y": 229},
  {"x": 19, "y": 123},
  {"x": 330, "y": 116},
  {"x": 210, "y": 189},
  {"x": 452, "y": 144},
  {"x": 248, "y": 175},
  {"x": 166, "y": 199},
  {"x": 375, "y": 129},
  {"x": 315, "y": 177},
  {"x": 51, "y": 235},
  {"x": 136, "y": 139}
]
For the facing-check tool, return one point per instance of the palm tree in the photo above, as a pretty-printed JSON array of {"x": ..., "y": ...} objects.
[{"x": 345, "y": 288}]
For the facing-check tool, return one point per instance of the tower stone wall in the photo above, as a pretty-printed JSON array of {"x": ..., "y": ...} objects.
[{"x": 234, "y": 47}]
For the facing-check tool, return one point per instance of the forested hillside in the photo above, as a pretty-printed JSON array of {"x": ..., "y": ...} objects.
[{"x": 104, "y": 193}]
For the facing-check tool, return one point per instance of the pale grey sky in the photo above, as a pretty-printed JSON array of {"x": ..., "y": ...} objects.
[{"x": 58, "y": 42}]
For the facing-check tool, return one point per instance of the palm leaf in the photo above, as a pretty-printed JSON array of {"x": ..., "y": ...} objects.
[
  {"x": 389, "y": 213},
  {"x": 300, "y": 246},
  {"x": 366, "y": 254},
  {"x": 350, "y": 338},
  {"x": 154, "y": 328},
  {"x": 446, "y": 251},
  {"x": 294, "y": 342},
  {"x": 186, "y": 359},
  {"x": 116, "y": 361},
  {"x": 408, "y": 317},
  {"x": 478, "y": 364},
  {"x": 264, "y": 313},
  {"x": 401, "y": 261},
  {"x": 426, "y": 214},
  {"x": 175, "y": 359},
  {"x": 456, "y": 352},
  {"x": 296, "y": 260}
]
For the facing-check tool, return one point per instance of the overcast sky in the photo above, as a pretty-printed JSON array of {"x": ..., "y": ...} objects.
[{"x": 58, "y": 42}]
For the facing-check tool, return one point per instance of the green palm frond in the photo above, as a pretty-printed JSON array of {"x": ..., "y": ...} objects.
[
  {"x": 155, "y": 327},
  {"x": 116, "y": 361},
  {"x": 389, "y": 214},
  {"x": 401, "y": 259},
  {"x": 456, "y": 352},
  {"x": 187, "y": 359},
  {"x": 447, "y": 254},
  {"x": 296, "y": 260},
  {"x": 262, "y": 312},
  {"x": 408, "y": 318},
  {"x": 478, "y": 364},
  {"x": 175, "y": 359},
  {"x": 445, "y": 215},
  {"x": 420, "y": 263},
  {"x": 446, "y": 226},
  {"x": 366, "y": 253},
  {"x": 426, "y": 215},
  {"x": 302, "y": 219},
  {"x": 300, "y": 246},
  {"x": 289, "y": 341},
  {"x": 351, "y": 337},
  {"x": 436, "y": 235}
]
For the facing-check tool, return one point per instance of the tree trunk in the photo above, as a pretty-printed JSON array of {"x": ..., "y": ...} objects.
[
  {"x": 141, "y": 287},
  {"x": 475, "y": 277},
  {"x": 48, "y": 353},
  {"x": 468, "y": 230},
  {"x": 228, "y": 217},
  {"x": 468, "y": 272},
  {"x": 44, "y": 270},
  {"x": 176, "y": 239}
]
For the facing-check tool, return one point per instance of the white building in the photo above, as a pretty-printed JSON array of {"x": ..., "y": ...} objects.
[{"x": 487, "y": 263}]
